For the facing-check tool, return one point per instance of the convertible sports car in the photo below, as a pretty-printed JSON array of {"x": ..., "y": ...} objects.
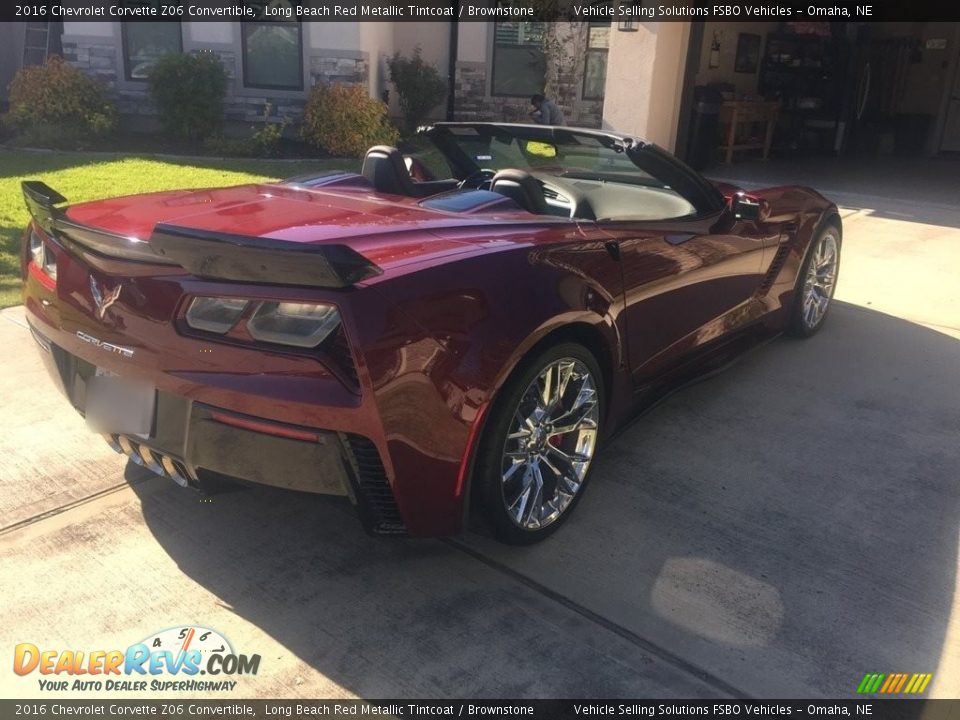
[{"x": 472, "y": 320}]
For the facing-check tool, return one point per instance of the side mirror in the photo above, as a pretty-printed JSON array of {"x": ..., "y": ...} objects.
[{"x": 750, "y": 208}]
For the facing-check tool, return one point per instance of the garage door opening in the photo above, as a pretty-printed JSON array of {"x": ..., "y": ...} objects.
[{"x": 837, "y": 102}]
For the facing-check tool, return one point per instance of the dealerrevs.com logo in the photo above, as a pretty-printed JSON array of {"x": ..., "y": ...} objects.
[{"x": 185, "y": 658}]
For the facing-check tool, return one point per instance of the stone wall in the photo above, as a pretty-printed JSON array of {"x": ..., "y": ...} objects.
[
  {"x": 564, "y": 86},
  {"x": 345, "y": 71},
  {"x": 102, "y": 60},
  {"x": 474, "y": 103}
]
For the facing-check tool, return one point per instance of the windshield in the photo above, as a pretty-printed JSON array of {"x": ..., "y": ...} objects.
[
  {"x": 532, "y": 149},
  {"x": 576, "y": 164}
]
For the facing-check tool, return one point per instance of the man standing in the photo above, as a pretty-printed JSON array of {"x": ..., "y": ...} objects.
[{"x": 545, "y": 112}]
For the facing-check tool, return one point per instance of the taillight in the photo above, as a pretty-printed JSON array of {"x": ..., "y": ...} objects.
[
  {"x": 300, "y": 324},
  {"x": 304, "y": 325},
  {"x": 216, "y": 315},
  {"x": 42, "y": 256},
  {"x": 36, "y": 248}
]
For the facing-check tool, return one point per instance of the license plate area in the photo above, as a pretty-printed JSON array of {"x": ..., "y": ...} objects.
[{"x": 120, "y": 405}]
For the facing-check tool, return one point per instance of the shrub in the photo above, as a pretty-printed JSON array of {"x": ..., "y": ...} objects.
[
  {"x": 419, "y": 85},
  {"x": 344, "y": 120},
  {"x": 265, "y": 140},
  {"x": 221, "y": 146},
  {"x": 188, "y": 91},
  {"x": 53, "y": 137},
  {"x": 58, "y": 95}
]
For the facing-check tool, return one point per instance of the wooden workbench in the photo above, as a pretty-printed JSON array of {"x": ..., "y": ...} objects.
[{"x": 737, "y": 113}]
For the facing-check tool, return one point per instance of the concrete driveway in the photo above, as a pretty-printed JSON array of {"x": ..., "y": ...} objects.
[{"x": 779, "y": 530}]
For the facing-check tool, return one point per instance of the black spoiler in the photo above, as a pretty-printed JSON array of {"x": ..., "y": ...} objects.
[{"x": 206, "y": 254}]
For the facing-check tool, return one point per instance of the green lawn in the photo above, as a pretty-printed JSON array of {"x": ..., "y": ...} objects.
[{"x": 86, "y": 176}]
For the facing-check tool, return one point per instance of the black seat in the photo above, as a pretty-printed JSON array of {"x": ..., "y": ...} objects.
[
  {"x": 521, "y": 187},
  {"x": 383, "y": 166}
]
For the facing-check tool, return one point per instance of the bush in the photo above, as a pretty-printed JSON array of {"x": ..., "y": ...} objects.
[
  {"x": 188, "y": 91},
  {"x": 52, "y": 137},
  {"x": 419, "y": 85},
  {"x": 344, "y": 120},
  {"x": 56, "y": 95},
  {"x": 221, "y": 146},
  {"x": 265, "y": 140}
]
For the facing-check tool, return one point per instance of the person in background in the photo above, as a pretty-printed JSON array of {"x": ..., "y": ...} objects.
[{"x": 545, "y": 112}]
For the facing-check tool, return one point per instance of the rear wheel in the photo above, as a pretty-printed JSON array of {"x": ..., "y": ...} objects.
[
  {"x": 816, "y": 284},
  {"x": 536, "y": 453}
]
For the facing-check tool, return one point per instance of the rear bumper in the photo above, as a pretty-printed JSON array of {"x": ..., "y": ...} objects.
[{"x": 198, "y": 443}]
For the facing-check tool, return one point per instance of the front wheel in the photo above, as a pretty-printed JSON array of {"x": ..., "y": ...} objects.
[
  {"x": 535, "y": 455},
  {"x": 816, "y": 284}
]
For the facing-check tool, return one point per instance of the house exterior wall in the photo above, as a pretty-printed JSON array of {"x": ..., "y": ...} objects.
[
  {"x": 434, "y": 44},
  {"x": 564, "y": 82},
  {"x": 333, "y": 53},
  {"x": 11, "y": 54},
  {"x": 645, "y": 73},
  {"x": 352, "y": 53}
]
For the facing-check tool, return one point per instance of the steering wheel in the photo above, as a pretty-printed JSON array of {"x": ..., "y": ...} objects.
[{"x": 477, "y": 180}]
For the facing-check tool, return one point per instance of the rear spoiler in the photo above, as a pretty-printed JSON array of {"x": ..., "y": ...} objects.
[
  {"x": 219, "y": 256},
  {"x": 206, "y": 254},
  {"x": 40, "y": 199}
]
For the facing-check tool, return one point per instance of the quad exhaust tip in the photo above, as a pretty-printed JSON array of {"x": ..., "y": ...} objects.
[{"x": 154, "y": 461}]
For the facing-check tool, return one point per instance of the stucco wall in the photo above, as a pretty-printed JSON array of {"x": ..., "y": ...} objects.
[
  {"x": 645, "y": 72},
  {"x": 376, "y": 42},
  {"x": 434, "y": 46}
]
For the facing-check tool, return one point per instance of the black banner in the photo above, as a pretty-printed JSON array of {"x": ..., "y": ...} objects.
[
  {"x": 474, "y": 709},
  {"x": 617, "y": 11}
]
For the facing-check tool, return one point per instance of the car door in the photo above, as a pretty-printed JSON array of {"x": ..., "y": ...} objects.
[{"x": 685, "y": 286}]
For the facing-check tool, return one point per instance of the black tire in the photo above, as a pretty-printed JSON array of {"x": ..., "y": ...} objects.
[
  {"x": 799, "y": 324},
  {"x": 491, "y": 453}
]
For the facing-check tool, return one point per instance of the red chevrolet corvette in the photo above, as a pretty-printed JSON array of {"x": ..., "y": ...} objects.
[{"x": 472, "y": 320}]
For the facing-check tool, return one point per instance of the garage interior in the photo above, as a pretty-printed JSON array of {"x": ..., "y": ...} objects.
[{"x": 872, "y": 108}]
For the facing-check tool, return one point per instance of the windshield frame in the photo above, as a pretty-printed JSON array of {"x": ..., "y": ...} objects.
[{"x": 649, "y": 159}]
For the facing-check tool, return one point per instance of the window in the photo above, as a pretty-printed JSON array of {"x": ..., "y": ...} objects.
[
  {"x": 595, "y": 72},
  {"x": 519, "y": 60},
  {"x": 272, "y": 55},
  {"x": 145, "y": 42}
]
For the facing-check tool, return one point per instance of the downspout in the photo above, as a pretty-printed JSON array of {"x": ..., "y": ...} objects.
[{"x": 452, "y": 52}]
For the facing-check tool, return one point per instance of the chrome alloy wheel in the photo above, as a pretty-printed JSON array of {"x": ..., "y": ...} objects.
[
  {"x": 821, "y": 278},
  {"x": 551, "y": 441}
]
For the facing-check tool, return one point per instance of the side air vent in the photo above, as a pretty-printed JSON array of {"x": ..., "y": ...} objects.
[
  {"x": 775, "y": 267},
  {"x": 373, "y": 489}
]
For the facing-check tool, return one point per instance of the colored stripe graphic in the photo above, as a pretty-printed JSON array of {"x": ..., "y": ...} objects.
[
  {"x": 899, "y": 687},
  {"x": 894, "y": 683}
]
